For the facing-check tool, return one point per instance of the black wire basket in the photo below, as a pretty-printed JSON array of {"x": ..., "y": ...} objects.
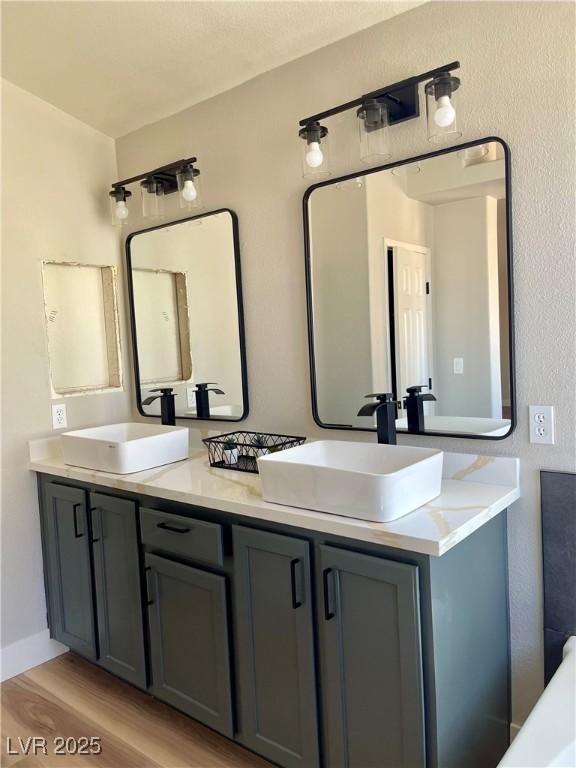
[{"x": 241, "y": 450}]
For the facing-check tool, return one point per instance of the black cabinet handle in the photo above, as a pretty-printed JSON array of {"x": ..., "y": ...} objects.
[
  {"x": 296, "y": 603},
  {"x": 96, "y": 524},
  {"x": 328, "y": 612},
  {"x": 77, "y": 534},
  {"x": 147, "y": 571},
  {"x": 173, "y": 528}
]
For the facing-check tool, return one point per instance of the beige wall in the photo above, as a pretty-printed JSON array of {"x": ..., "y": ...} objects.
[
  {"x": 55, "y": 174},
  {"x": 247, "y": 145}
]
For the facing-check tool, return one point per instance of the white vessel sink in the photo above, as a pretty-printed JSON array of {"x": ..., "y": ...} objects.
[
  {"x": 367, "y": 481},
  {"x": 125, "y": 448}
]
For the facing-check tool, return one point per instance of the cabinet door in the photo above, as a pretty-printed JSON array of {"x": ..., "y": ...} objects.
[
  {"x": 189, "y": 641},
  {"x": 118, "y": 594},
  {"x": 276, "y": 647},
  {"x": 371, "y": 662},
  {"x": 68, "y": 569}
]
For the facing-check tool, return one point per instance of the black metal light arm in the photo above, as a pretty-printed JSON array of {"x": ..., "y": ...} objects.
[
  {"x": 166, "y": 174},
  {"x": 402, "y": 97}
]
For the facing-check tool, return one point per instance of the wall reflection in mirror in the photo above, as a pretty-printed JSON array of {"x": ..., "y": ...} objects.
[
  {"x": 409, "y": 285},
  {"x": 187, "y": 317}
]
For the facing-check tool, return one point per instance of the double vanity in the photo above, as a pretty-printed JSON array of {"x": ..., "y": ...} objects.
[
  {"x": 349, "y": 606},
  {"x": 313, "y": 639}
]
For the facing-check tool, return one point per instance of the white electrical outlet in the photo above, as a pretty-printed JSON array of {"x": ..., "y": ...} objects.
[
  {"x": 59, "y": 420},
  {"x": 541, "y": 424},
  {"x": 458, "y": 365}
]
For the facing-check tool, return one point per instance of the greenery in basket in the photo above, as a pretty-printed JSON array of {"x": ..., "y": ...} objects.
[
  {"x": 229, "y": 445},
  {"x": 259, "y": 441}
]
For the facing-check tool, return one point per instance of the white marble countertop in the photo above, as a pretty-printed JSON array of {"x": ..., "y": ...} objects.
[{"x": 474, "y": 490}]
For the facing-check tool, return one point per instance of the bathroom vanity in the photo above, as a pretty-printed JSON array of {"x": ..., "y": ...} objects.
[{"x": 312, "y": 639}]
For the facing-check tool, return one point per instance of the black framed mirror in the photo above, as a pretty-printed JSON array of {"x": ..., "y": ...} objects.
[
  {"x": 186, "y": 316},
  {"x": 409, "y": 283}
]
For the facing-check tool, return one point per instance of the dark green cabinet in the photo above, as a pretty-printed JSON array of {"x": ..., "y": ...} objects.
[
  {"x": 118, "y": 592},
  {"x": 346, "y": 654},
  {"x": 188, "y": 622},
  {"x": 68, "y": 569},
  {"x": 371, "y": 662},
  {"x": 92, "y": 576},
  {"x": 273, "y": 611}
]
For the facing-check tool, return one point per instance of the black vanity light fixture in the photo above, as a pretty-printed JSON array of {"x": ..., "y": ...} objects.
[
  {"x": 316, "y": 150},
  {"x": 441, "y": 106},
  {"x": 181, "y": 176},
  {"x": 118, "y": 208},
  {"x": 372, "y": 124},
  {"x": 188, "y": 179},
  {"x": 152, "y": 190},
  {"x": 379, "y": 109}
]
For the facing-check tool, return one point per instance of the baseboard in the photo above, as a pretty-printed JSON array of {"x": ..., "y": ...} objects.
[
  {"x": 514, "y": 731},
  {"x": 27, "y": 653}
]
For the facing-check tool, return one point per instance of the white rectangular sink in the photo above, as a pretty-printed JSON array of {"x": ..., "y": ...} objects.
[
  {"x": 125, "y": 448},
  {"x": 367, "y": 481}
]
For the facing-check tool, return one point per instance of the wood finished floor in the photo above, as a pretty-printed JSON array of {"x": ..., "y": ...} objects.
[{"x": 70, "y": 697}]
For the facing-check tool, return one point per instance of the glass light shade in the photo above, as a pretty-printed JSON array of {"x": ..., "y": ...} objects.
[
  {"x": 442, "y": 107},
  {"x": 352, "y": 184},
  {"x": 152, "y": 199},
  {"x": 409, "y": 169},
  {"x": 315, "y": 151},
  {"x": 373, "y": 132},
  {"x": 473, "y": 155},
  {"x": 189, "y": 188},
  {"x": 119, "y": 211}
]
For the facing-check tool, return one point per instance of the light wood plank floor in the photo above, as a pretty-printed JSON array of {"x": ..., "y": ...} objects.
[{"x": 70, "y": 697}]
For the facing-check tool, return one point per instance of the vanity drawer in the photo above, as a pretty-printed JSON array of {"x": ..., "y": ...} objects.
[{"x": 183, "y": 536}]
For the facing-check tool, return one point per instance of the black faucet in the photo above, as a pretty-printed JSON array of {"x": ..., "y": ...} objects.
[
  {"x": 414, "y": 404},
  {"x": 202, "y": 399},
  {"x": 167, "y": 404},
  {"x": 385, "y": 408}
]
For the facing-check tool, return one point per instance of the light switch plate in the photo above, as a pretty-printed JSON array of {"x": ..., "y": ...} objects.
[
  {"x": 59, "y": 419},
  {"x": 541, "y": 424},
  {"x": 458, "y": 365}
]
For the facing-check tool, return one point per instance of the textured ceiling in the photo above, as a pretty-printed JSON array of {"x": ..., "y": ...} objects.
[{"x": 120, "y": 65}]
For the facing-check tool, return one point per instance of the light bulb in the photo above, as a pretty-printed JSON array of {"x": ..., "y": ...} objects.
[
  {"x": 121, "y": 210},
  {"x": 445, "y": 113},
  {"x": 314, "y": 156},
  {"x": 189, "y": 191}
]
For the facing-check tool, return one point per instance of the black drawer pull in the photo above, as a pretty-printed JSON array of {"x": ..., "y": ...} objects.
[
  {"x": 77, "y": 534},
  {"x": 296, "y": 602},
  {"x": 328, "y": 611},
  {"x": 173, "y": 528},
  {"x": 96, "y": 524},
  {"x": 147, "y": 571}
]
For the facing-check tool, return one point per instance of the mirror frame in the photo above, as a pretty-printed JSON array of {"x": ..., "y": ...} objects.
[
  {"x": 309, "y": 297},
  {"x": 240, "y": 306}
]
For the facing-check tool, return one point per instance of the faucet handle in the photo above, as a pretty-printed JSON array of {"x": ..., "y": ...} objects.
[
  {"x": 383, "y": 397},
  {"x": 164, "y": 392},
  {"x": 416, "y": 389}
]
